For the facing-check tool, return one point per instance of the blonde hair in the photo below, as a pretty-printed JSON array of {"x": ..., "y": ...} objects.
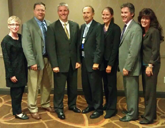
[{"x": 13, "y": 18}]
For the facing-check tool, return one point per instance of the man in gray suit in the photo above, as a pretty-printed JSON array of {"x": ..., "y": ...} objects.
[
  {"x": 39, "y": 69},
  {"x": 129, "y": 60}
]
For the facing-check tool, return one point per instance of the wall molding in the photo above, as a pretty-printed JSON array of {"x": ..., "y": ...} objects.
[{"x": 6, "y": 91}]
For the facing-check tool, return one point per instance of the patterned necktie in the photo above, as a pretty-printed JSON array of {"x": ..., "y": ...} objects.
[
  {"x": 85, "y": 31},
  {"x": 44, "y": 35},
  {"x": 123, "y": 32},
  {"x": 43, "y": 29},
  {"x": 66, "y": 31}
]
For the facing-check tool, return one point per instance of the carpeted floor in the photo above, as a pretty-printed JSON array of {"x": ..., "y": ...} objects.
[{"x": 75, "y": 120}]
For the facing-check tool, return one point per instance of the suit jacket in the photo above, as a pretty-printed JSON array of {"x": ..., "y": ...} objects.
[
  {"x": 111, "y": 43},
  {"x": 61, "y": 50},
  {"x": 151, "y": 47},
  {"x": 33, "y": 43},
  {"x": 129, "y": 50},
  {"x": 93, "y": 46}
]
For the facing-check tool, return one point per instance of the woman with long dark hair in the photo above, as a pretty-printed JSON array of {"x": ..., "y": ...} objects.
[
  {"x": 152, "y": 37},
  {"x": 111, "y": 46}
]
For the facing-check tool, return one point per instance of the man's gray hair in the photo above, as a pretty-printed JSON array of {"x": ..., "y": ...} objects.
[{"x": 62, "y": 4}]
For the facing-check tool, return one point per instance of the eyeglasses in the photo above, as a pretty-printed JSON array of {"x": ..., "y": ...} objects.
[{"x": 17, "y": 25}]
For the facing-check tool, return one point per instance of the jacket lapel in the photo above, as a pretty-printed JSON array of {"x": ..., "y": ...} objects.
[
  {"x": 127, "y": 31},
  {"x": 71, "y": 30},
  {"x": 35, "y": 24},
  {"x": 109, "y": 31},
  {"x": 90, "y": 29},
  {"x": 61, "y": 29}
]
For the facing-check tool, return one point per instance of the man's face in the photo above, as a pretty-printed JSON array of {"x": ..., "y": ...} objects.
[
  {"x": 63, "y": 13},
  {"x": 88, "y": 14},
  {"x": 126, "y": 15},
  {"x": 39, "y": 12}
]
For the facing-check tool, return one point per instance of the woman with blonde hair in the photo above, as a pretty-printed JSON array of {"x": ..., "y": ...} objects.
[{"x": 15, "y": 66}]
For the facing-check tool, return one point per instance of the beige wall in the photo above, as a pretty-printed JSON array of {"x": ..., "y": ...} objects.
[
  {"x": 24, "y": 10},
  {"x": 4, "y": 14}
]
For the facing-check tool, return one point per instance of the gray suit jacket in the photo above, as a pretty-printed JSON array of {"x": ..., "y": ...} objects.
[
  {"x": 129, "y": 50},
  {"x": 33, "y": 43}
]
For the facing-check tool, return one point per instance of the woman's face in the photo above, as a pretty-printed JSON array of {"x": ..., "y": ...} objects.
[
  {"x": 145, "y": 22},
  {"x": 14, "y": 26},
  {"x": 106, "y": 16}
]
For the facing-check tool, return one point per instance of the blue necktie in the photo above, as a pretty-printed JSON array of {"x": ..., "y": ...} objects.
[{"x": 44, "y": 35}]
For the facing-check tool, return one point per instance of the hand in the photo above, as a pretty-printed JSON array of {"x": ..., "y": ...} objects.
[
  {"x": 78, "y": 65},
  {"x": 108, "y": 69},
  {"x": 56, "y": 70},
  {"x": 13, "y": 79},
  {"x": 95, "y": 66},
  {"x": 125, "y": 72},
  {"x": 34, "y": 67},
  {"x": 149, "y": 71}
]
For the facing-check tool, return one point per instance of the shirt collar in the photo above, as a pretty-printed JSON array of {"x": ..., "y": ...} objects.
[
  {"x": 89, "y": 24},
  {"x": 39, "y": 22},
  {"x": 129, "y": 22},
  {"x": 63, "y": 22}
]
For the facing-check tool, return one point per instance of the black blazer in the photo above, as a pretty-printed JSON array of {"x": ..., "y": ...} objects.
[
  {"x": 151, "y": 47},
  {"x": 111, "y": 43},
  {"x": 93, "y": 46},
  {"x": 14, "y": 61},
  {"x": 62, "y": 51}
]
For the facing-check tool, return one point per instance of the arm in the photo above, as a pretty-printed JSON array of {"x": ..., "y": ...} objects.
[
  {"x": 155, "y": 47},
  {"x": 98, "y": 54},
  {"x": 51, "y": 47},
  {"x": 7, "y": 61},
  {"x": 27, "y": 46},
  {"x": 155, "y": 42},
  {"x": 78, "y": 65},
  {"x": 115, "y": 49}
]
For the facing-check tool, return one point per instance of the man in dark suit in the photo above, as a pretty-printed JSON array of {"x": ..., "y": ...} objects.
[
  {"x": 39, "y": 72},
  {"x": 91, "y": 42},
  {"x": 62, "y": 48},
  {"x": 129, "y": 60}
]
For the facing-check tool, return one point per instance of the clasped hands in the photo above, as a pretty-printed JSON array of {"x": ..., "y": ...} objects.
[{"x": 56, "y": 69}]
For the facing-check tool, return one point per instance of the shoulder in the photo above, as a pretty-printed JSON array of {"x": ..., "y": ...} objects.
[
  {"x": 6, "y": 38},
  {"x": 153, "y": 30},
  {"x": 53, "y": 24},
  {"x": 116, "y": 26},
  {"x": 29, "y": 21},
  {"x": 47, "y": 22},
  {"x": 73, "y": 23},
  {"x": 96, "y": 23},
  {"x": 135, "y": 25}
]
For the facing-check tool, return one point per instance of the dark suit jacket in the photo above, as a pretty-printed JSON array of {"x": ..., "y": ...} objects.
[
  {"x": 62, "y": 51},
  {"x": 151, "y": 47},
  {"x": 93, "y": 46},
  {"x": 111, "y": 43}
]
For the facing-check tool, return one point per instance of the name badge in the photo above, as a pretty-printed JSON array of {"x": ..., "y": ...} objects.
[
  {"x": 83, "y": 54},
  {"x": 83, "y": 40},
  {"x": 82, "y": 45}
]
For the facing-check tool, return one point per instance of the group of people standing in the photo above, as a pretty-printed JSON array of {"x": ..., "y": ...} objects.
[{"x": 99, "y": 49}]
